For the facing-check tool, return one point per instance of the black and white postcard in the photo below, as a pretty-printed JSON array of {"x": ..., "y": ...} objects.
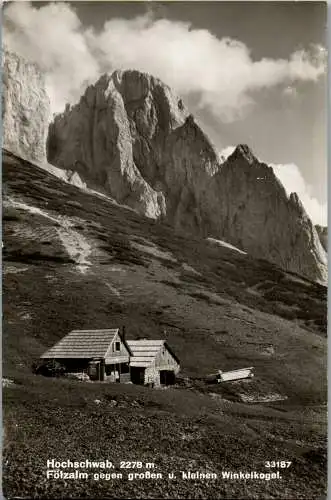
[{"x": 164, "y": 251}]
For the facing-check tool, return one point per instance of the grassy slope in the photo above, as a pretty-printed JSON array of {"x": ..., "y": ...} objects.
[{"x": 225, "y": 310}]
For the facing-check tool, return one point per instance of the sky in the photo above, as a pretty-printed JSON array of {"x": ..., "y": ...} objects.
[{"x": 251, "y": 72}]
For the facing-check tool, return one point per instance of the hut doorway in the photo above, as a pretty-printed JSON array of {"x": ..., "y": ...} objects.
[
  {"x": 96, "y": 370},
  {"x": 137, "y": 375},
  {"x": 167, "y": 377}
]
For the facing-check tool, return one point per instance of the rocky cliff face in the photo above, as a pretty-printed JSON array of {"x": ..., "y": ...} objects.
[
  {"x": 25, "y": 108},
  {"x": 322, "y": 232},
  {"x": 264, "y": 221},
  {"x": 131, "y": 137}
]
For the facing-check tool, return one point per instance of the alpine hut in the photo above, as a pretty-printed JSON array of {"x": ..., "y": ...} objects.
[
  {"x": 152, "y": 362},
  {"x": 102, "y": 354}
]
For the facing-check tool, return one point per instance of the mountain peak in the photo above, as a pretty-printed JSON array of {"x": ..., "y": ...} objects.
[
  {"x": 243, "y": 151},
  {"x": 132, "y": 137}
]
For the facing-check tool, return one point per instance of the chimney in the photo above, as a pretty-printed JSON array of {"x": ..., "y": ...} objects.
[{"x": 123, "y": 333}]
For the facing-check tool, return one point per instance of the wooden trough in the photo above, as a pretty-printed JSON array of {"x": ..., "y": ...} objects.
[{"x": 239, "y": 374}]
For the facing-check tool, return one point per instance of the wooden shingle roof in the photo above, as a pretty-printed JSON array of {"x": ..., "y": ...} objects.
[
  {"x": 82, "y": 344},
  {"x": 144, "y": 351}
]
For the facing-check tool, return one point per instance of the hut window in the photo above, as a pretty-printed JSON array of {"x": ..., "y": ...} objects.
[{"x": 117, "y": 346}]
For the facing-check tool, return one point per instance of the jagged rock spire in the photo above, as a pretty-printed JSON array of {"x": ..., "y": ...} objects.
[{"x": 243, "y": 151}]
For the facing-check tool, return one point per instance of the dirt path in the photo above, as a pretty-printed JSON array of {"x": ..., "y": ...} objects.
[{"x": 75, "y": 244}]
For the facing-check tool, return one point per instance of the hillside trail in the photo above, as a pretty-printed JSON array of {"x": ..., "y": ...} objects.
[{"x": 75, "y": 244}]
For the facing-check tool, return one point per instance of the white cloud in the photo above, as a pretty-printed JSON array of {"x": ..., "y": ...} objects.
[
  {"x": 222, "y": 72},
  {"x": 226, "y": 152},
  {"x": 53, "y": 37},
  {"x": 293, "y": 181}
]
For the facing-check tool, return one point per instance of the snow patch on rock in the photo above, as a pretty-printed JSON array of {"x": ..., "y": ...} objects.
[
  {"x": 113, "y": 289},
  {"x": 190, "y": 269},
  {"x": 226, "y": 245}
]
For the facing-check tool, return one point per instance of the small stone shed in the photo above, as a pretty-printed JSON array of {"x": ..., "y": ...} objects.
[
  {"x": 102, "y": 354},
  {"x": 152, "y": 362}
]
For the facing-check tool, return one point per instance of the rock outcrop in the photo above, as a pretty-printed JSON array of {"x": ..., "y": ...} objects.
[
  {"x": 25, "y": 108},
  {"x": 131, "y": 137},
  {"x": 322, "y": 232},
  {"x": 263, "y": 220}
]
